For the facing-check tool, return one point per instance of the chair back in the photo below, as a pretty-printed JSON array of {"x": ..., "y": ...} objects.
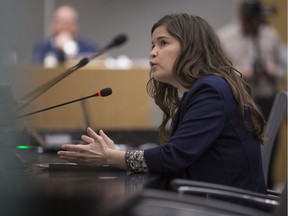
[{"x": 276, "y": 116}]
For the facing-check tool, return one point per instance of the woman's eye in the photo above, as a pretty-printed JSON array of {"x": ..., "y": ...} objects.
[{"x": 162, "y": 43}]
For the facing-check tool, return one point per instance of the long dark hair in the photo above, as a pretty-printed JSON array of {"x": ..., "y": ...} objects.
[{"x": 201, "y": 54}]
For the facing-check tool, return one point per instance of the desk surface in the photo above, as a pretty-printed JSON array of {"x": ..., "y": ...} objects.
[{"x": 90, "y": 191}]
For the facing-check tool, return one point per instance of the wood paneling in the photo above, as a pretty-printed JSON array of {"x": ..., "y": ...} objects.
[{"x": 129, "y": 106}]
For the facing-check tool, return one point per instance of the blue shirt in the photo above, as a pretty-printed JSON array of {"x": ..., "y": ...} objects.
[
  {"x": 210, "y": 141},
  {"x": 42, "y": 49}
]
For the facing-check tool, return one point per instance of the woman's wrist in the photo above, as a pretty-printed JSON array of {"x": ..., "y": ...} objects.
[{"x": 116, "y": 158}]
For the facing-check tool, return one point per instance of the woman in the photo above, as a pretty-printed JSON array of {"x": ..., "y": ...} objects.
[{"x": 216, "y": 128}]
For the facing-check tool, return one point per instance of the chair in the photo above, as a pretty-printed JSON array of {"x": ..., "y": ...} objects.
[
  {"x": 269, "y": 201},
  {"x": 160, "y": 202},
  {"x": 277, "y": 113},
  {"x": 282, "y": 209},
  {"x": 233, "y": 195}
]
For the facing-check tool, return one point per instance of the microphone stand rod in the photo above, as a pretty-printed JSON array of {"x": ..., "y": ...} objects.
[
  {"x": 48, "y": 108},
  {"x": 42, "y": 89}
]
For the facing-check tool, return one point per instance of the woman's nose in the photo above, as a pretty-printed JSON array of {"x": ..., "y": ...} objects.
[{"x": 153, "y": 53}]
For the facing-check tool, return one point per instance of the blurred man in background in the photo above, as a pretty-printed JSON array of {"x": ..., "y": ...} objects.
[
  {"x": 64, "y": 42},
  {"x": 255, "y": 50}
]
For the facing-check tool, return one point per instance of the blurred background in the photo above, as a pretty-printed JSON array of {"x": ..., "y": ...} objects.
[{"x": 27, "y": 22}]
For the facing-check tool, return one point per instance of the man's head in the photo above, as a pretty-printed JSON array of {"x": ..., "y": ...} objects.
[
  {"x": 65, "y": 20},
  {"x": 251, "y": 16}
]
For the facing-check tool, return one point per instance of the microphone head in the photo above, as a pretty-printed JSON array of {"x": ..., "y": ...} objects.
[
  {"x": 82, "y": 62},
  {"x": 119, "y": 40},
  {"x": 105, "y": 92}
]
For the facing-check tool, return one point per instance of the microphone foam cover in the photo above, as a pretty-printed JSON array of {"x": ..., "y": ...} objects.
[
  {"x": 105, "y": 92},
  {"x": 119, "y": 40}
]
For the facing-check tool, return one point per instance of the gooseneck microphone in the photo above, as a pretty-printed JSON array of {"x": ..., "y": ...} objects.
[
  {"x": 117, "y": 41},
  {"x": 102, "y": 93}
]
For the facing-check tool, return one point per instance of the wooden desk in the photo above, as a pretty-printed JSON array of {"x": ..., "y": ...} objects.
[{"x": 129, "y": 106}]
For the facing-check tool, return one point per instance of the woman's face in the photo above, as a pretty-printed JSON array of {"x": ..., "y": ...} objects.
[{"x": 165, "y": 50}]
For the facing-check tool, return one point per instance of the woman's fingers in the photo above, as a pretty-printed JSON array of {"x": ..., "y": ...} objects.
[
  {"x": 107, "y": 140},
  {"x": 78, "y": 155},
  {"x": 92, "y": 154},
  {"x": 74, "y": 148},
  {"x": 87, "y": 139},
  {"x": 93, "y": 134},
  {"x": 105, "y": 137},
  {"x": 102, "y": 138},
  {"x": 87, "y": 159}
]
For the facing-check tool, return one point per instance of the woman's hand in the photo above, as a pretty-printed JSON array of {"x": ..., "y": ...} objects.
[{"x": 95, "y": 153}]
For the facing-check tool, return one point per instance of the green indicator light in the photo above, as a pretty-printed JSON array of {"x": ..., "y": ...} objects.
[{"x": 23, "y": 147}]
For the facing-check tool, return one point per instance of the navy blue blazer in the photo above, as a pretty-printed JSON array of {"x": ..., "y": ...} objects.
[
  {"x": 210, "y": 141},
  {"x": 42, "y": 49}
]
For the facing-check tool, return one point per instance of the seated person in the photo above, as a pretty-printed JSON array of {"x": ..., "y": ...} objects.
[
  {"x": 211, "y": 129},
  {"x": 64, "y": 42}
]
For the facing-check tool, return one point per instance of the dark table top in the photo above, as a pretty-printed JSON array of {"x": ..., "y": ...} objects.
[{"x": 86, "y": 190}]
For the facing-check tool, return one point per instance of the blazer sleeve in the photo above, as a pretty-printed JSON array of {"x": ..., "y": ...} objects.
[{"x": 202, "y": 117}]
